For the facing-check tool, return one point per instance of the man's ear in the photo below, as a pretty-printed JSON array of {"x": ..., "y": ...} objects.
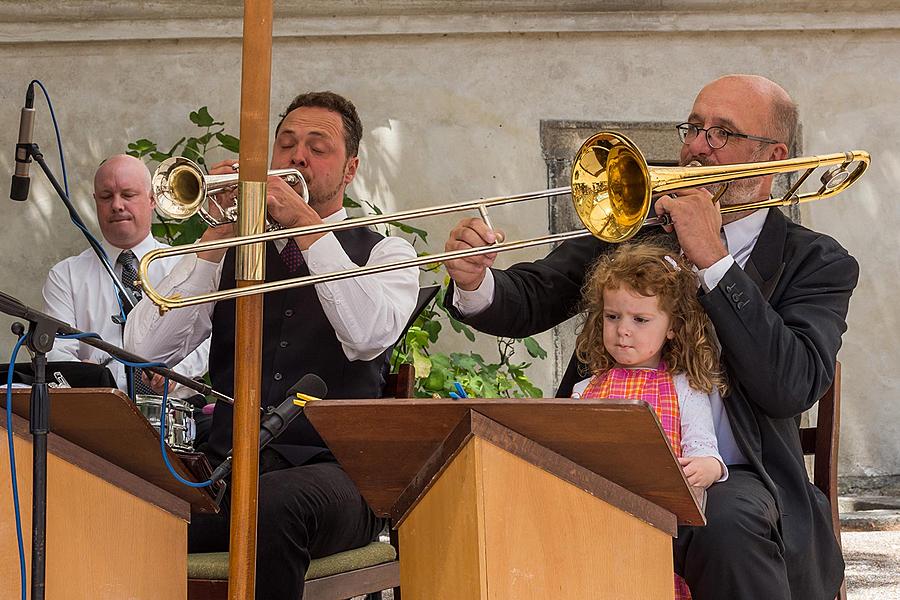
[
  {"x": 350, "y": 170},
  {"x": 779, "y": 152}
]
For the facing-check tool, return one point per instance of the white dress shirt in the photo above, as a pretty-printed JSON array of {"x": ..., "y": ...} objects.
[
  {"x": 367, "y": 313},
  {"x": 79, "y": 291},
  {"x": 698, "y": 434},
  {"x": 740, "y": 239}
]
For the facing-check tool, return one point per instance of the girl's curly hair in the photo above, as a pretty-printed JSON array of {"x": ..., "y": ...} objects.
[{"x": 651, "y": 270}]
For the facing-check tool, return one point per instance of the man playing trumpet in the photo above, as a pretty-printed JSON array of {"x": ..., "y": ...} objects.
[{"x": 342, "y": 331}]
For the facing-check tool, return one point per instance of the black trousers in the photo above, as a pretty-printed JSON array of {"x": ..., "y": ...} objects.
[
  {"x": 739, "y": 554},
  {"x": 304, "y": 512}
]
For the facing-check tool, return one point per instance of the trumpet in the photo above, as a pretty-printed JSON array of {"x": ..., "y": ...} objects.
[
  {"x": 611, "y": 187},
  {"x": 182, "y": 189}
]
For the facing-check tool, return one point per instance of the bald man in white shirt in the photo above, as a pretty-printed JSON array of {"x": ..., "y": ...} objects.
[{"x": 79, "y": 291}]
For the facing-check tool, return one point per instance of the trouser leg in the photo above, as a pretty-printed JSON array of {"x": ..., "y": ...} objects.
[
  {"x": 739, "y": 553},
  {"x": 304, "y": 512}
]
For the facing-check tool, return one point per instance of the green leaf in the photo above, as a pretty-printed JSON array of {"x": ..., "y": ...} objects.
[
  {"x": 530, "y": 389},
  {"x": 421, "y": 363},
  {"x": 192, "y": 150},
  {"x": 350, "y": 202},
  {"x": 159, "y": 156},
  {"x": 421, "y": 233},
  {"x": 463, "y": 329},
  {"x": 534, "y": 348},
  {"x": 202, "y": 118},
  {"x": 230, "y": 143},
  {"x": 374, "y": 208},
  {"x": 175, "y": 146},
  {"x": 141, "y": 148},
  {"x": 467, "y": 362},
  {"x": 433, "y": 328}
]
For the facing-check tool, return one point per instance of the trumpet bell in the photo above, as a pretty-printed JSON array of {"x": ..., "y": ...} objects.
[
  {"x": 179, "y": 188},
  {"x": 182, "y": 189},
  {"x": 611, "y": 186}
]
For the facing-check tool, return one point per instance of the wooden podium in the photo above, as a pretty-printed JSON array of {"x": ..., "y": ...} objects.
[
  {"x": 553, "y": 498},
  {"x": 116, "y": 518}
]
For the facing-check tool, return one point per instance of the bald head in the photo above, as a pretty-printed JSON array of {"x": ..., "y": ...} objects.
[
  {"x": 124, "y": 201},
  {"x": 781, "y": 123},
  {"x": 125, "y": 165}
]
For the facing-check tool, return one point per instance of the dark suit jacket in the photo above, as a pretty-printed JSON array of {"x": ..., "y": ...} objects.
[{"x": 779, "y": 321}]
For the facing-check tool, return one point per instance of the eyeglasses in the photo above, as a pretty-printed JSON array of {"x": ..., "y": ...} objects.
[{"x": 716, "y": 136}]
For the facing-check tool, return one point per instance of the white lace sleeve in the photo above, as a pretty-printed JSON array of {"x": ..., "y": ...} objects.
[
  {"x": 578, "y": 388},
  {"x": 698, "y": 435}
]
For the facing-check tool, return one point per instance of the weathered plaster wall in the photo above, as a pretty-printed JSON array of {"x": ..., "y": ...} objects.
[{"x": 451, "y": 95}]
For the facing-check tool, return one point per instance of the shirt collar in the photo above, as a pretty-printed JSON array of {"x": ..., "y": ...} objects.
[
  {"x": 143, "y": 247},
  {"x": 743, "y": 232},
  {"x": 339, "y": 215}
]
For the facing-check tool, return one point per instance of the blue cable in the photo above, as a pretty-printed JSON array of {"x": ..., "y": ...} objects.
[
  {"x": 162, "y": 418},
  {"x": 12, "y": 463},
  {"x": 162, "y": 423},
  {"x": 162, "y": 442}
]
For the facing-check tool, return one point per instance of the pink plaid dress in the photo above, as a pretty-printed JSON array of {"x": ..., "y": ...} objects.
[{"x": 657, "y": 388}]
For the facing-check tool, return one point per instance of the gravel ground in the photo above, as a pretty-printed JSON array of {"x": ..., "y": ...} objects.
[{"x": 873, "y": 564}]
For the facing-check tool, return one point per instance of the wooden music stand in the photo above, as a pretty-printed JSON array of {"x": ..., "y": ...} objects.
[
  {"x": 116, "y": 518},
  {"x": 504, "y": 498}
]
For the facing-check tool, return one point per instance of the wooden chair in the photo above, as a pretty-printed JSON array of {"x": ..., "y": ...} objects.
[
  {"x": 821, "y": 442},
  {"x": 368, "y": 570}
]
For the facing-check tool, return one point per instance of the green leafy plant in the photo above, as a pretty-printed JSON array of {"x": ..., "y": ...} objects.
[
  {"x": 195, "y": 148},
  {"x": 436, "y": 372}
]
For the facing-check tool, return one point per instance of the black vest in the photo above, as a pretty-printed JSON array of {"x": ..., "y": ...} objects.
[{"x": 297, "y": 339}]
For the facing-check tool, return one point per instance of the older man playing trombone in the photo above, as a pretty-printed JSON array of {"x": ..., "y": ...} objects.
[{"x": 778, "y": 296}]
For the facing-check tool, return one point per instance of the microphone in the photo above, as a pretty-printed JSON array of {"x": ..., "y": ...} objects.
[
  {"x": 20, "y": 180},
  {"x": 276, "y": 420}
]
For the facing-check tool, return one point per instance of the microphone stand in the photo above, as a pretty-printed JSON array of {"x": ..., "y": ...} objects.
[
  {"x": 40, "y": 337},
  {"x": 33, "y": 151}
]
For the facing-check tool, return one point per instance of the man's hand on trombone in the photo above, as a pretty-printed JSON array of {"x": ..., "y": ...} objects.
[
  {"x": 697, "y": 222},
  {"x": 468, "y": 273}
]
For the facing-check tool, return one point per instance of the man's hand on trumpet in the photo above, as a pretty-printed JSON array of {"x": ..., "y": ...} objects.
[
  {"x": 289, "y": 209},
  {"x": 223, "y": 201},
  {"x": 468, "y": 273},
  {"x": 697, "y": 222}
]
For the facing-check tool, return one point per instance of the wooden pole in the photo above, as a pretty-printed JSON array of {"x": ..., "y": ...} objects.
[{"x": 250, "y": 260}]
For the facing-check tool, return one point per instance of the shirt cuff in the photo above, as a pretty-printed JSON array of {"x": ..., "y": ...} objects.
[
  {"x": 323, "y": 255},
  {"x": 470, "y": 303},
  {"x": 713, "y": 274}
]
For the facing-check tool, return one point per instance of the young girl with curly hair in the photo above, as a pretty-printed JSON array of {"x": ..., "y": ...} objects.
[{"x": 646, "y": 337}]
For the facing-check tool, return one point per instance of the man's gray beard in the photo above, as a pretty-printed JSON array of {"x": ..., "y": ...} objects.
[{"x": 740, "y": 191}]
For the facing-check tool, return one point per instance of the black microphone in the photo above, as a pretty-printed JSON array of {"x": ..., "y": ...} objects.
[
  {"x": 20, "y": 180},
  {"x": 276, "y": 420}
]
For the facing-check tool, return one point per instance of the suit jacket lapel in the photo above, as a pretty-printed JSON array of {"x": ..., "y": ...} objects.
[{"x": 766, "y": 263}]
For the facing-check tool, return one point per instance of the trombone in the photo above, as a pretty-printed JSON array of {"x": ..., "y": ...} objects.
[{"x": 611, "y": 186}]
